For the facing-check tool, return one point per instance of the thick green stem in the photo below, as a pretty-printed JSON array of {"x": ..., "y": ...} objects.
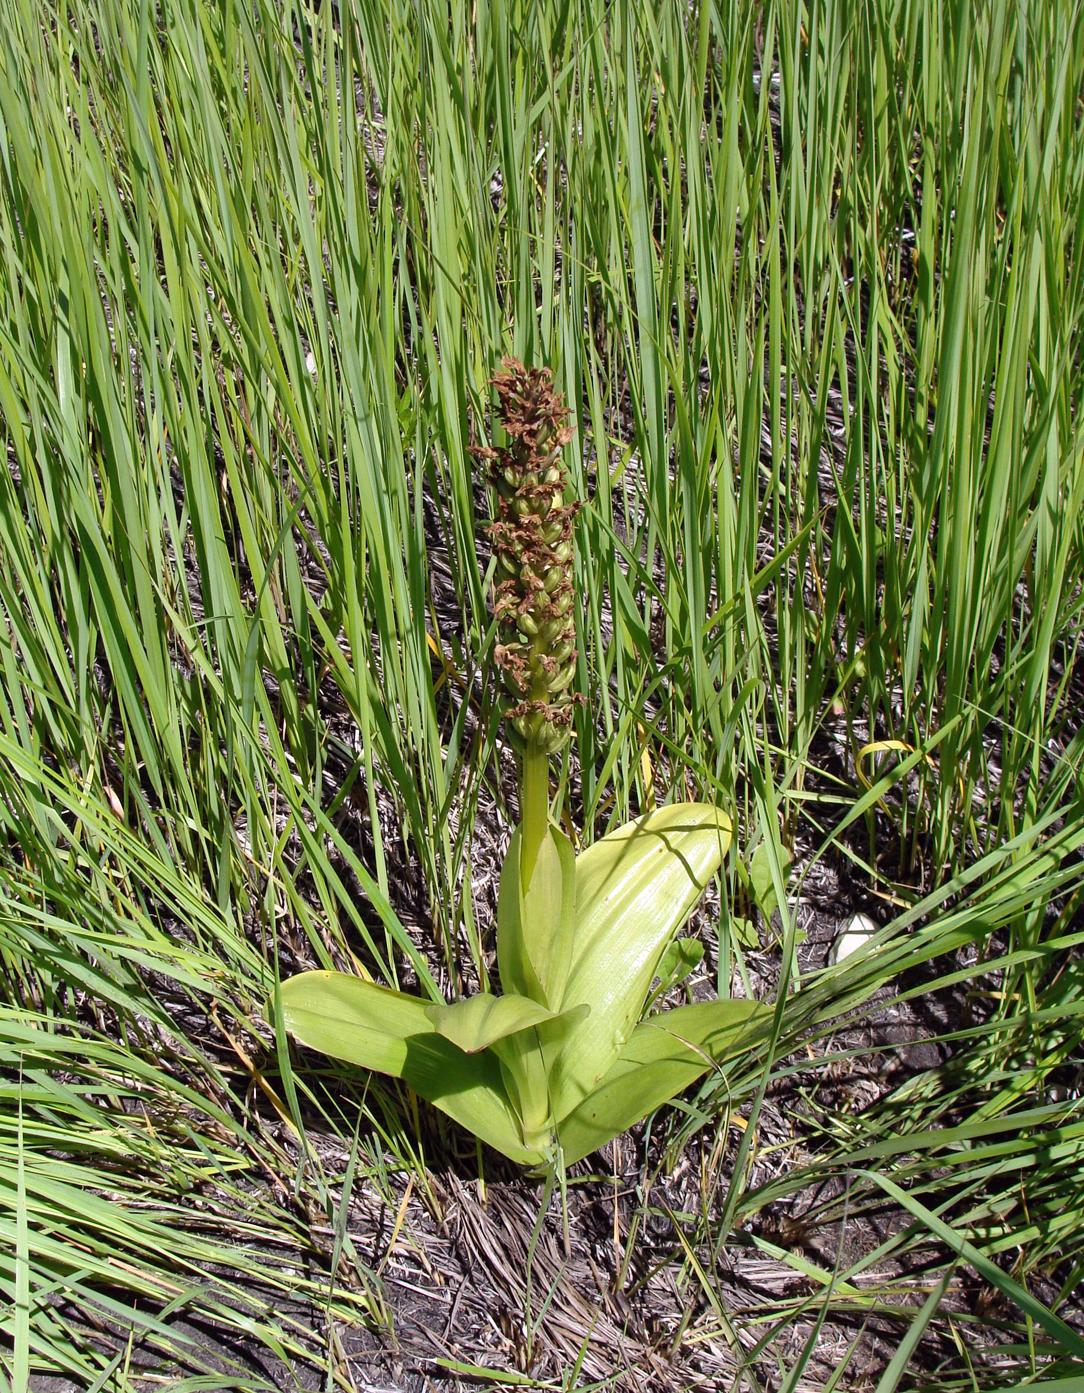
[
  {"x": 534, "y": 794},
  {"x": 523, "y": 1066}
]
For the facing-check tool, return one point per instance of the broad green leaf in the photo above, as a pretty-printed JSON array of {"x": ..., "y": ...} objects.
[
  {"x": 663, "y": 1056},
  {"x": 390, "y": 1032},
  {"x": 760, "y": 881},
  {"x": 510, "y": 953},
  {"x": 745, "y": 931},
  {"x": 680, "y": 958},
  {"x": 527, "y": 1058},
  {"x": 478, "y": 1021},
  {"x": 526, "y": 1085},
  {"x": 535, "y": 924},
  {"x": 634, "y": 890},
  {"x": 549, "y": 916}
]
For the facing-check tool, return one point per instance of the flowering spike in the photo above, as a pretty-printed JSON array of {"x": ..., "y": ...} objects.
[{"x": 532, "y": 541}]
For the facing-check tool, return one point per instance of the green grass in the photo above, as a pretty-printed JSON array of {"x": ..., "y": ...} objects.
[{"x": 811, "y": 277}]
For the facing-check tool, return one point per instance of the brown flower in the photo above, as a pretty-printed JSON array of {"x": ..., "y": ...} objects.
[{"x": 532, "y": 542}]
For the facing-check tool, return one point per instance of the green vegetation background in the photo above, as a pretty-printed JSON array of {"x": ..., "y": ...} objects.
[{"x": 811, "y": 277}]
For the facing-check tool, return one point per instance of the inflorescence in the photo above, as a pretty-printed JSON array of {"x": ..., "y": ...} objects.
[{"x": 532, "y": 542}]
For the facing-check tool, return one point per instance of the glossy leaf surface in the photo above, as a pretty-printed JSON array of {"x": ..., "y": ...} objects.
[
  {"x": 663, "y": 1056},
  {"x": 634, "y": 890},
  {"x": 479, "y": 1021},
  {"x": 535, "y": 924},
  {"x": 679, "y": 960},
  {"x": 390, "y": 1032}
]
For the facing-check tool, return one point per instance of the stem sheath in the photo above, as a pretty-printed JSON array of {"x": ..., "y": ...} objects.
[{"x": 534, "y": 810}]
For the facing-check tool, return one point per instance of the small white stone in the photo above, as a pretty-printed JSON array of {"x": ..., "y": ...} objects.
[
  {"x": 854, "y": 934},
  {"x": 310, "y": 362}
]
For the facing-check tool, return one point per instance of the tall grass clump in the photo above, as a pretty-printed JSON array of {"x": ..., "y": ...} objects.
[{"x": 809, "y": 277}]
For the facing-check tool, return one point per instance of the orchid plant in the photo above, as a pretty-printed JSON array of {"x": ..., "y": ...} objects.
[{"x": 565, "y": 1058}]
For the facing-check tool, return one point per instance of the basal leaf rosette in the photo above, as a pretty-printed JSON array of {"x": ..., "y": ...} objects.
[{"x": 535, "y": 1081}]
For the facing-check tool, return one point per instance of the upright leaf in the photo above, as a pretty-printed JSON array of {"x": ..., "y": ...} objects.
[
  {"x": 634, "y": 890},
  {"x": 480, "y": 1021},
  {"x": 535, "y": 923},
  {"x": 390, "y": 1032},
  {"x": 663, "y": 1056}
]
